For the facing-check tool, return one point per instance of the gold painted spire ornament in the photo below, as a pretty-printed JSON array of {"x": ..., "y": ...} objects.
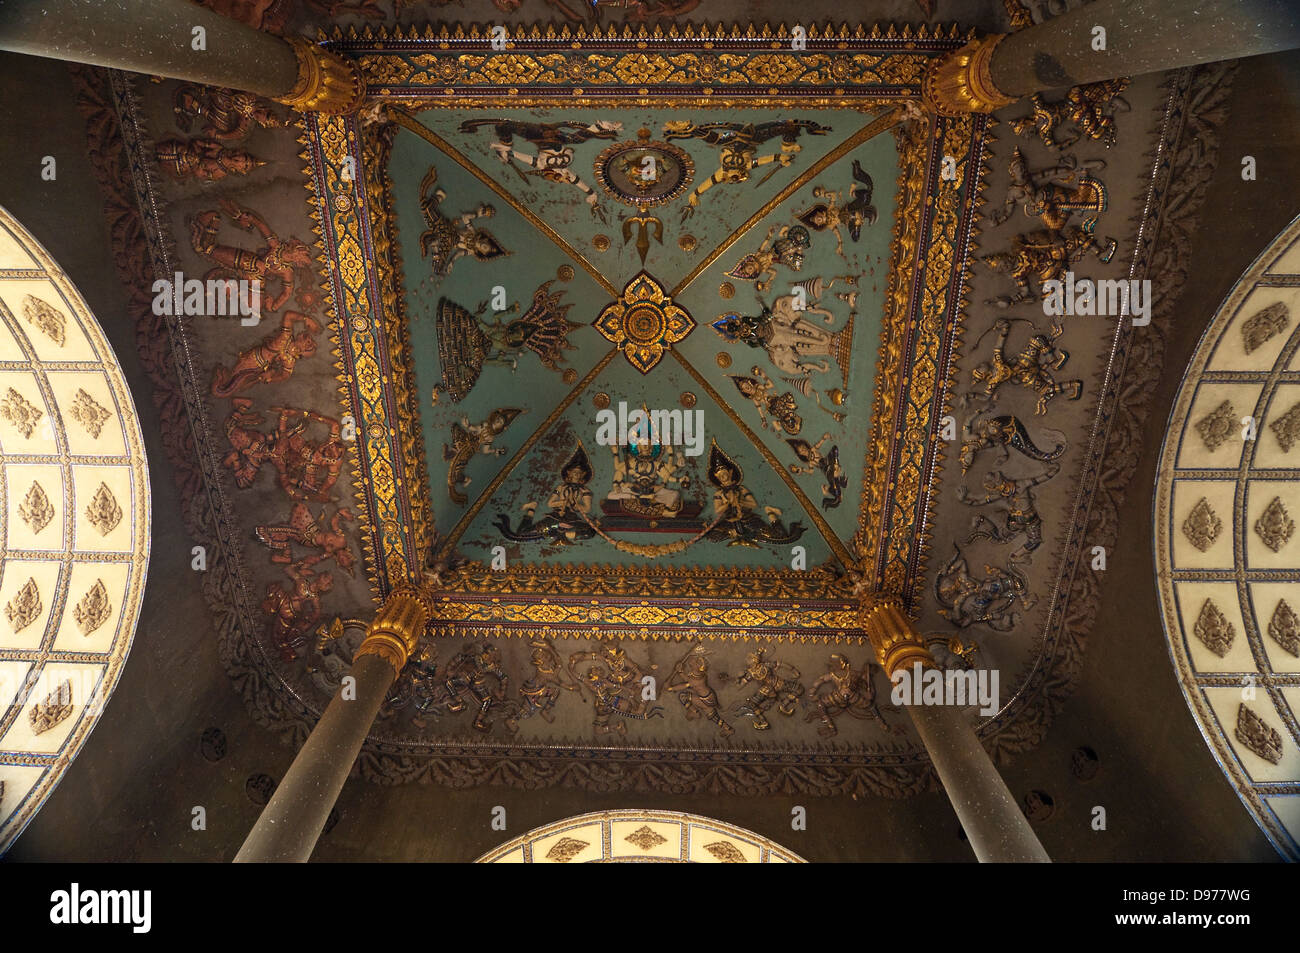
[
  {"x": 327, "y": 83},
  {"x": 962, "y": 81}
]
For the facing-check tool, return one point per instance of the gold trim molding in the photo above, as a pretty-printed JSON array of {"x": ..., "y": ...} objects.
[{"x": 327, "y": 83}]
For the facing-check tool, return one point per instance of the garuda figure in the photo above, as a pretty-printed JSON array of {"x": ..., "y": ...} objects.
[
  {"x": 447, "y": 240},
  {"x": 775, "y": 683}
]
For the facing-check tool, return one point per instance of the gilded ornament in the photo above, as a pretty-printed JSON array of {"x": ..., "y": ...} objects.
[
  {"x": 36, "y": 510},
  {"x": 94, "y": 608},
  {"x": 327, "y": 83},
  {"x": 564, "y": 272},
  {"x": 1217, "y": 426},
  {"x": 687, "y": 243},
  {"x": 1202, "y": 526},
  {"x": 25, "y": 607},
  {"x": 645, "y": 838},
  {"x": 103, "y": 511},
  {"x": 1264, "y": 324},
  {"x": 20, "y": 413},
  {"x": 723, "y": 360},
  {"x": 962, "y": 82},
  {"x": 725, "y": 853},
  {"x": 600, "y": 242},
  {"x": 1284, "y": 627},
  {"x": 644, "y": 323},
  {"x": 600, "y": 400},
  {"x": 55, "y": 708},
  {"x": 1257, "y": 735},
  {"x": 88, "y": 413},
  {"x": 47, "y": 318},
  {"x": 1275, "y": 525},
  {"x": 565, "y": 849},
  {"x": 1214, "y": 630},
  {"x": 726, "y": 290},
  {"x": 687, "y": 399},
  {"x": 1287, "y": 428}
]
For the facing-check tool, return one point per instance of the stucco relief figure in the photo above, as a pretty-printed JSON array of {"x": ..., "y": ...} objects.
[
  {"x": 1041, "y": 256},
  {"x": 553, "y": 143},
  {"x": 295, "y": 610},
  {"x": 738, "y": 144},
  {"x": 784, "y": 245},
  {"x": 568, "y": 519},
  {"x": 307, "y": 467},
  {"x": 1005, "y": 432},
  {"x": 1031, "y": 368},
  {"x": 775, "y": 683},
  {"x": 648, "y": 478},
  {"x": 222, "y": 113},
  {"x": 812, "y": 460},
  {"x": 833, "y": 212},
  {"x": 541, "y": 692},
  {"x": 276, "y": 261},
  {"x": 782, "y": 408},
  {"x": 736, "y": 520},
  {"x": 1090, "y": 108},
  {"x": 473, "y": 679},
  {"x": 467, "y": 440},
  {"x": 844, "y": 691},
  {"x": 965, "y": 600},
  {"x": 690, "y": 680},
  {"x": 270, "y": 361},
  {"x": 794, "y": 342},
  {"x": 327, "y": 536},
  {"x": 615, "y": 685},
  {"x": 1018, "y": 515},
  {"x": 447, "y": 240},
  {"x": 205, "y": 159}
]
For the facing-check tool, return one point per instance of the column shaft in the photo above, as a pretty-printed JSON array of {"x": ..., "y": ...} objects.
[{"x": 1141, "y": 38}]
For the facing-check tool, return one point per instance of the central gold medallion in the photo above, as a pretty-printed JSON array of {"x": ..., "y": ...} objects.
[{"x": 644, "y": 322}]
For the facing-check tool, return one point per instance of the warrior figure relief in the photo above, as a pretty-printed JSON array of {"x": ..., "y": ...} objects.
[
  {"x": 775, "y": 683},
  {"x": 1042, "y": 256},
  {"x": 311, "y": 532},
  {"x": 205, "y": 159},
  {"x": 277, "y": 260},
  {"x": 225, "y": 113},
  {"x": 1020, "y": 516},
  {"x": 850, "y": 693},
  {"x": 614, "y": 682},
  {"x": 690, "y": 680},
  {"x": 307, "y": 468},
  {"x": 542, "y": 691},
  {"x": 965, "y": 600},
  {"x": 1002, "y": 431},
  {"x": 1030, "y": 368},
  {"x": 295, "y": 610},
  {"x": 272, "y": 360},
  {"x": 1090, "y": 107}
]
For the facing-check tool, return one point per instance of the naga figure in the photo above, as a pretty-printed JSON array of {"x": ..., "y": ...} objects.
[
  {"x": 830, "y": 214},
  {"x": 1031, "y": 368},
  {"x": 758, "y": 388},
  {"x": 1002, "y": 431},
  {"x": 311, "y": 532},
  {"x": 733, "y": 509},
  {"x": 569, "y": 518},
  {"x": 272, "y": 360},
  {"x": 614, "y": 682},
  {"x": 307, "y": 468},
  {"x": 1042, "y": 256},
  {"x": 788, "y": 249},
  {"x": 1020, "y": 516},
  {"x": 738, "y": 144},
  {"x": 447, "y": 240},
  {"x": 277, "y": 260},
  {"x": 542, "y": 691},
  {"x": 690, "y": 680},
  {"x": 469, "y": 439},
  {"x": 205, "y": 159},
  {"x": 225, "y": 113},
  {"x": 850, "y": 693},
  {"x": 295, "y": 610},
  {"x": 775, "y": 683},
  {"x": 553, "y": 142},
  {"x": 793, "y": 343},
  {"x": 965, "y": 600},
  {"x": 829, "y": 466},
  {"x": 1090, "y": 107}
]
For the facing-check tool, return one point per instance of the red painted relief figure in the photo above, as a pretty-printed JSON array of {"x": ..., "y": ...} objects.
[
  {"x": 277, "y": 260},
  {"x": 329, "y": 539},
  {"x": 205, "y": 159},
  {"x": 295, "y": 610},
  {"x": 225, "y": 113},
  {"x": 272, "y": 360},
  {"x": 307, "y": 468}
]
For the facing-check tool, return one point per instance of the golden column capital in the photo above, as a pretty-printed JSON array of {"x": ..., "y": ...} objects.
[
  {"x": 962, "y": 82},
  {"x": 397, "y": 627},
  {"x": 897, "y": 643},
  {"x": 327, "y": 83}
]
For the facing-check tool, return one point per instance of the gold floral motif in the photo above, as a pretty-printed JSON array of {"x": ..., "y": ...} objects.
[
  {"x": 56, "y": 707},
  {"x": 725, "y": 852},
  {"x": 49, "y": 319},
  {"x": 1284, "y": 627},
  {"x": 565, "y": 849},
  {"x": 1264, "y": 324},
  {"x": 103, "y": 512},
  {"x": 1275, "y": 525},
  {"x": 15, "y": 409},
  {"x": 94, "y": 608},
  {"x": 644, "y": 322},
  {"x": 1217, "y": 426},
  {"x": 36, "y": 510},
  {"x": 25, "y": 607},
  {"x": 1202, "y": 526},
  {"x": 88, "y": 413},
  {"x": 645, "y": 838},
  {"x": 1257, "y": 735},
  {"x": 1287, "y": 428},
  {"x": 1213, "y": 628}
]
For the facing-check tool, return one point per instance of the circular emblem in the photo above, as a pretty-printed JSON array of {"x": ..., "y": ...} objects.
[{"x": 642, "y": 173}]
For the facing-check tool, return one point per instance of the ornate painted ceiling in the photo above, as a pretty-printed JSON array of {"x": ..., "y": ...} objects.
[{"x": 834, "y": 289}]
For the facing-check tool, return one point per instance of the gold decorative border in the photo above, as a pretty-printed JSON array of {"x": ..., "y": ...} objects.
[{"x": 919, "y": 334}]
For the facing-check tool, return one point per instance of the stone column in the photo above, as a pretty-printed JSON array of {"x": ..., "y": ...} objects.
[
  {"x": 158, "y": 38},
  {"x": 996, "y": 828},
  {"x": 1140, "y": 37},
  {"x": 292, "y": 822}
]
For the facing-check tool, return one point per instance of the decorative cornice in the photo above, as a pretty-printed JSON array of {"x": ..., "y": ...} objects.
[
  {"x": 327, "y": 83},
  {"x": 962, "y": 81}
]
